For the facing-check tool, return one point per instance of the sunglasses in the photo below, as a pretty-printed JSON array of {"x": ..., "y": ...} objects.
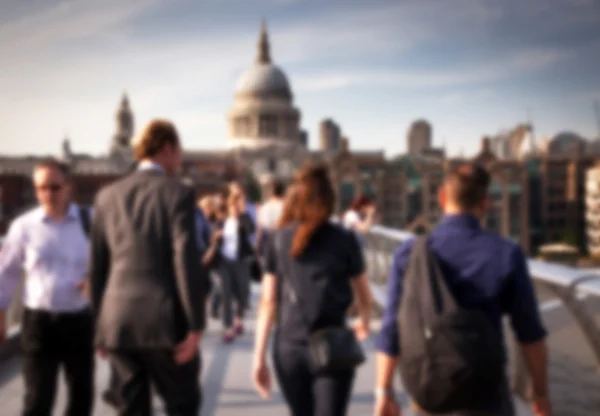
[{"x": 52, "y": 187}]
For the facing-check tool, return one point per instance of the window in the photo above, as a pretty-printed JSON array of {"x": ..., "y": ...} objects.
[
  {"x": 290, "y": 126},
  {"x": 267, "y": 126}
]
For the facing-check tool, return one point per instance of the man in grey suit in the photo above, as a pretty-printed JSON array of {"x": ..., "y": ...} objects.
[{"x": 147, "y": 286}]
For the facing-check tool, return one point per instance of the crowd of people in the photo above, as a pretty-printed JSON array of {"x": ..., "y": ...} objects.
[{"x": 135, "y": 278}]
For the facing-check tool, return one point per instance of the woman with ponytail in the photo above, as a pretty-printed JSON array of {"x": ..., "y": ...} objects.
[{"x": 314, "y": 269}]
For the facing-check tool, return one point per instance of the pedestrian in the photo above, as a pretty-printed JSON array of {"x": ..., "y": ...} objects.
[
  {"x": 146, "y": 279},
  {"x": 313, "y": 270},
  {"x": 467, "y": 277},
  {"x": 49, "y": 244}
]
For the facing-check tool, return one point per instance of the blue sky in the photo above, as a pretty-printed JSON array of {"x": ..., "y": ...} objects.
[{"x": 471, "y": 67}]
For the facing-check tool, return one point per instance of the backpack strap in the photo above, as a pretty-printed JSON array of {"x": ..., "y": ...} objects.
[
  {"x": 430, "y": 283},
  {"x": 84, "y": 217}
]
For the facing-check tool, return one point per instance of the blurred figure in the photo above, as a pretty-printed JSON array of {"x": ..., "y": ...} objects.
[
  {"x": 360, "y": 216},
  {"x": 269, "y": 213},
  {"x": 212, "y": 212},
  {"x": 234, "y": 271},
  {"x": 313, "y": 269},
  {"x": 146, "y": 279},
  {"x": 50, "y": 245}
]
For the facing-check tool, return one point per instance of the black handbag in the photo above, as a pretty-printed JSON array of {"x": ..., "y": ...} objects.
[{"x": 331, "y": 349}]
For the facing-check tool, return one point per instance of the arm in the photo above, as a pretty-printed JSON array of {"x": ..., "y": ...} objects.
[
  {"x": 388, "y": 343},
  {"x": 266, "y": 316},
  {"x": 526, "y": 322},
  {"x": 190, "y": 282},
  {"x": 359, "y": 282},
  {"x": 213, "y": 248},
  {"x": 268, "y": 305},
  {"x": 363, "y": 226},
  {"x": 99, "y": 263},
  {"x": 362, "y": 293},
  {"x": 11, "y": 261}
]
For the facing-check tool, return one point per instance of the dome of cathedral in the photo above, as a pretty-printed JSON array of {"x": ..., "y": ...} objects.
[{"x": 263, "y": 79}]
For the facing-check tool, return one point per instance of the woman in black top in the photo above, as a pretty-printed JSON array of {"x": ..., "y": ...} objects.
[{"x": 328, "y": 272}]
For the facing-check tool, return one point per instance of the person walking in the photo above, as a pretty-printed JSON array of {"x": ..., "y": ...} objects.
[
  {"x": 313, "y": 270},
  {"x": 209, "y": 205},
  {"x": 485, "y": 274},
  {"x": 50, "y": 246},
  {"x": 269, "y": 214},
  {"x": 360, "y": 216},
  {"x": 146, "y": 281},
  {"x": 234, "y": 269}
]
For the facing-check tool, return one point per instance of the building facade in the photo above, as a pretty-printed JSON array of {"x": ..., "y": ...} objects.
[
  {"x": 329, "y": 136},
  {"x": 592, "y": 214}
]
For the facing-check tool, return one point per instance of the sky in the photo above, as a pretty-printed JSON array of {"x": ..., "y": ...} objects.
[{"x": 470, "y": 67}]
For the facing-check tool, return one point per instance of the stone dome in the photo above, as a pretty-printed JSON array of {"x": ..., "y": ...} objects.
[{"x": 263, "y": 80}]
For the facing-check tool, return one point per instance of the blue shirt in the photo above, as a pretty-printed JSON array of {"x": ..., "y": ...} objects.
[
  {"x": 251, "y": 209},
  {"x": 483, "y": 271},
  {"x": 53, "y": 256},
  {"x": 203, "y": 231}
]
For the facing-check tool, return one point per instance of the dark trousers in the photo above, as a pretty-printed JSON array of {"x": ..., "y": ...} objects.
[
  {"x": 235, "y": 286},
  {"x": 49, "y": 341},
  {"x": 305, "y": 393},
  {"x": 178, "y": 385}
]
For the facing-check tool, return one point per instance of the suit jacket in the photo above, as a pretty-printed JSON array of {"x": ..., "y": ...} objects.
[{"x": 147, "y": 285}]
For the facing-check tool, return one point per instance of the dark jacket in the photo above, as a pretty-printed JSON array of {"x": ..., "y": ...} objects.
[{"x": 145, "y": 277}]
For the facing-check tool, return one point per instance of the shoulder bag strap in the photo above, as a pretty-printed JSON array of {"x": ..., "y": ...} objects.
[{"x": 84, "y": 217}]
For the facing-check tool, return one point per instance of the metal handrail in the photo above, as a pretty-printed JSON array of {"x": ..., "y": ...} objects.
[{"x": 567, "y": 283}]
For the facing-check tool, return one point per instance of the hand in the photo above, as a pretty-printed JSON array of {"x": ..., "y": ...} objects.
[
  {"x": 187, "y": 349},
  {"x": 361, "y": 331},
  {"x": 83, "y": 287},
  {"x": 261, "y": 375},
  {"x": 541, "y": 406},
  {"x": 387, "y": 406},
  {"x": 217, "y": 235}
]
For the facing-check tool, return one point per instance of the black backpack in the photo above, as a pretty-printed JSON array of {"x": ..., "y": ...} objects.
[{"x": 451, "y": 358}]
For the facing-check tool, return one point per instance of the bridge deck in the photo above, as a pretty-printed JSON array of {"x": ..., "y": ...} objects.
[{"x": 228, "y": 390}]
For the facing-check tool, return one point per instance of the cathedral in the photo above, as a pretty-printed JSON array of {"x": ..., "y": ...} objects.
[{"x": 264, "y": 139}]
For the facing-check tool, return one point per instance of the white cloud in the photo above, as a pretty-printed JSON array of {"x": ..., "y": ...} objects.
[
  {"x": 68, "y": 20},
  {"x": 505, "y": 67}
]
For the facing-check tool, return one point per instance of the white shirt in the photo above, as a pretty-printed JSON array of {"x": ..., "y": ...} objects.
[
  {"x": 229, "y": 248},
  {"x": 269, "y": 214},
  {"x": 53, "y": 256},
  {"x": 351, "y": 218}
]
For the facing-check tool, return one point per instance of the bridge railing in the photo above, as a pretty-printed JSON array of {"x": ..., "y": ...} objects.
[
  {"x": 569, "y": 284},
  {"x": 13, "y": 319}
]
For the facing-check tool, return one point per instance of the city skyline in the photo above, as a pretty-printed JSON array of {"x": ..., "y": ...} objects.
[{"x": 470, "y": 70}]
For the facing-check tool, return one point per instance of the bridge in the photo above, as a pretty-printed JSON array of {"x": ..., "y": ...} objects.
[{"x": 569, "y": 300}]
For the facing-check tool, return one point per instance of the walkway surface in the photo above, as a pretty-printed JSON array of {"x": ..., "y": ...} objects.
[{"x": 228, "y": 390}]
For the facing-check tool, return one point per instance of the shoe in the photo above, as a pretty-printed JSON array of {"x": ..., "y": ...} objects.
[
  {"x": 111, "y": 398},
  {"x": 239, "y": 329},
  {"x": 228, "y": 338}
]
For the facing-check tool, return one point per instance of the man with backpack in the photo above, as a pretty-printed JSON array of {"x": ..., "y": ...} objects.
[{"x": 442, "y": 326}]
